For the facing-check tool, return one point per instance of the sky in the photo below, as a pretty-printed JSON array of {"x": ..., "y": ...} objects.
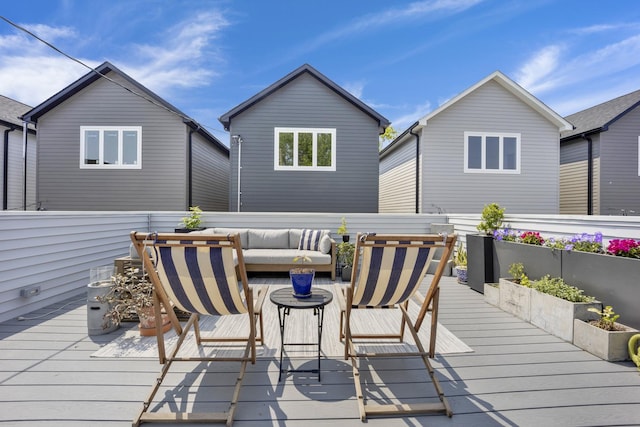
[{"x": 402, "y": 58}]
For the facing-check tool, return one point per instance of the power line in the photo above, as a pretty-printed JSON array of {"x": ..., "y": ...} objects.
[{"x": 140, "y": 95}]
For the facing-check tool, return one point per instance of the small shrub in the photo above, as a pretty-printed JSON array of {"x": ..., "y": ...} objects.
[
  {"x": 607, "y": 319},
  {"x": 460, "y": 259},
  {"x": 559, "y": 288},
  {"x": 491, "y": 218},
  {"x": 516, "y": 270}
]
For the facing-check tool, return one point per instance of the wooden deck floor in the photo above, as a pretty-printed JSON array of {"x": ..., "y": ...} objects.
[{"x": 517, "y": 376}]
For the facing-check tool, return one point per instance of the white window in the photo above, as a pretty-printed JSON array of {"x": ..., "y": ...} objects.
[
  {"x": 491, "y": 152},
  {"x": 304, "y": 149},
  {"x": 110, "y": 147}
]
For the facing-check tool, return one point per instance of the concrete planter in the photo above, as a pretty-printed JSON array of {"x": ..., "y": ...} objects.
[
  {"x": 607, "y": 345},
  {"x": 492, "y": 293},
  {"x": 515, "y": 299},
  {"x": 556, "y": 316}
]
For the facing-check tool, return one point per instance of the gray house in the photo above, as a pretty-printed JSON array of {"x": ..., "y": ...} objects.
[
  {"x": 17, "y": 157},
  {"x": 494, "y": 142},
  {"x": 106, "y": 142},
  {"x": 600, "y": 159},
  {"x": 304, "y": 144}
]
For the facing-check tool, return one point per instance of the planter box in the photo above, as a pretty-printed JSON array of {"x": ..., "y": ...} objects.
[
  {"x": 479, "y": 261},
  {"x": 607, "y": 345},
  {"x": 611, "y": 279},
  {"x": 492, "y": 293},
  {"x": 538, "y": 261},
  {"x": 515, "y": 299},
  {"x": 555, "y": 315}
]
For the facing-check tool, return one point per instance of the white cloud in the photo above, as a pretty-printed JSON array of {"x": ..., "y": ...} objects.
[
  {"x": 31, "y": 72},
  {"x": 402, "y": 122},
  {"x": 547, "y": 70},
  {"x": 354, "y": 88}
]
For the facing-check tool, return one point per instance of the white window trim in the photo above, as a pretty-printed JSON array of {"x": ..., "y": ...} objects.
[
  {"x": 101, "y": 130},
  {"x": 295, "y": 167},
  {"x": 484, "y": 136}
]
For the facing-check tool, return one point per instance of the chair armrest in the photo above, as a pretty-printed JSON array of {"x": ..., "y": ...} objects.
[{"x": 260, "y": 292}]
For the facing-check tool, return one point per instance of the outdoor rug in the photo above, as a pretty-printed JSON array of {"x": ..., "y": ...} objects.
[{"x": 301, "y": 327}]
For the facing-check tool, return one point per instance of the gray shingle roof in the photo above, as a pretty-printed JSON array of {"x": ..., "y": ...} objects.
[
  {"x": 11, "y": 110},
  {"x": 599, "y": 117}
]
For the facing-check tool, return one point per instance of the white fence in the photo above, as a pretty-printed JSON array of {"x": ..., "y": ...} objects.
[{"x": 54, "y": 251}]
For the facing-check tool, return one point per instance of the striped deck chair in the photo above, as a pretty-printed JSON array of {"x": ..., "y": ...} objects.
[
  {"x": 197, "y": 274},
  {"x": 388, "y": 269}
]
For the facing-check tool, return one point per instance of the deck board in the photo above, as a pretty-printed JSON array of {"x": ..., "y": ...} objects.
[{"x": 517, "y": 375}]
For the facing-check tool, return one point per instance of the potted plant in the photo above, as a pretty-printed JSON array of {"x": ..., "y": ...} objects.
[
  {"x": 346, "y": 252},
  {"x": 130, "y": 296},
  {"x": 603, "y": 337},
  {"x": 460, "y": 262},
  {"x": 301, "y": 278},
  {"x": 342, "y": 230},
  {"x": 192, "y": 222},
  {"x": 480, "y": 247},
  {"x": 555, "y": 304}
]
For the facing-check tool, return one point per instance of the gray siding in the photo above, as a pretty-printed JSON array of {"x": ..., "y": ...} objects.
[
  {"x": 15, "y": 170},
  {"x": 398, "y": 179},
  {"x": 490, "y": 108},
  {"x": 159, "y": 185},
  {"x": 210, "y": 180},
  {"x": 620, "y": 183},
  {"x": 573, "y": 176},
  {"x": 305, "y": 102}
]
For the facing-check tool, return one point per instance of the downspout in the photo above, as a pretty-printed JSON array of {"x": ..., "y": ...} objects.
[
  {"x": 238, "y": 139},
  {"x": 417, "y": 135},
  {"x": 190, "y": 165},
  {"x": 5, "y": 174},
  {"x": 25, "y": 140},
  {"x": 589, "y": 174}
]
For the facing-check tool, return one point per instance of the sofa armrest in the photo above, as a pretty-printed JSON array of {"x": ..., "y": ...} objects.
[{"x": 334, "y": 257}]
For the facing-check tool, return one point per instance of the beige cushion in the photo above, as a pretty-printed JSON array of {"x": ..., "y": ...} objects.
[
  {"x": 325, "y": 244},
  {"x": 268, "y": 239},
  {"x": 284, "y": 256},
  {"x": 243, "y": 232}
]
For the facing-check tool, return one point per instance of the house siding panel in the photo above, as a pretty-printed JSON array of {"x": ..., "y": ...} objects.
[
  {"x": 620, "y": 183},
  {"x": 398, "y": 178},
  {"x": 159, "y": 185},
  {"x": 573, "y": 176},
  {"x": 210, "y": 181},
  {"x": 490, "y": 108},
  {"x": 305, "y": 103},
  {"x": 15, "y": 170}
]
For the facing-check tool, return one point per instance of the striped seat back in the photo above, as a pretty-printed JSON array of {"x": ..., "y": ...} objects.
[
  {"x": 199, "y": 276},
  {"x": 390, "y": 272}
]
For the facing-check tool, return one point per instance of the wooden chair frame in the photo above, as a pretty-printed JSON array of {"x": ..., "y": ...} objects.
[
  {"x": 428, "y": 303},
  {"x": 145, "y": 244}
]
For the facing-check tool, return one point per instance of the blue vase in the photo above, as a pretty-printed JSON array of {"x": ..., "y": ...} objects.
[{"x": 302, "y": 283}]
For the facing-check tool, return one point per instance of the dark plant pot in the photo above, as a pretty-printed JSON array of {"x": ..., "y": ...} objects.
[
  {"x": 345, "y": 237},
  {"x": 538, "y": 261},
  {"x": 611, "y": 279},
  {"x": 479, "y": 261},
  {"x": 346, "y": 273},
  {"x": 301, "y": 282},
  {"x": 188, "y": 230}
]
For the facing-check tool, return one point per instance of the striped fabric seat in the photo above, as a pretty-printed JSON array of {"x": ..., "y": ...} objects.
[
  {"x": 388, "y": 269},
  {"x": 200, "y": 278},
  {"x": 390, "y": 273}
]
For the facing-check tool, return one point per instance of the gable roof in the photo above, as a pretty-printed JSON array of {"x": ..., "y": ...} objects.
[
  {"x": 598, "y": 118},
  {"x": 11, "y": 111},
  {"x": 102, "y": 70},
  {"x": 226, "y": 118},
  {"x": 502, "y": 80},
  {"x": 516, "y": 90}
]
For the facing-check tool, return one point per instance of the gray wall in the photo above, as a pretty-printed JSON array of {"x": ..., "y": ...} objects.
[
  {"x": 210, "y": 181},
  {"x": 15, "y": 178},
  {"x": 574, "y": 173},
  {"x": 619, "y": 180},
  {"x": 305, "y": 102},
  {"x": 159, "y": 185},
  {"x": 490, "y": 108}
]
